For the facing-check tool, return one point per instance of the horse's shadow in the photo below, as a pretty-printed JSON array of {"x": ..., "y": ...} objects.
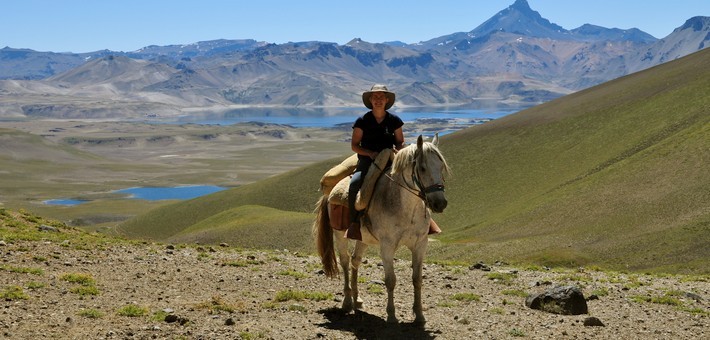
[{"x": 367, "y": 326}]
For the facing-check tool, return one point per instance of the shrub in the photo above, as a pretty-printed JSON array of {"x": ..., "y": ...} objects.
[
  {"x": 90, "y": 313},
  {"x": 13, "y": 293},
  {"x": 132, "y": 311},
  {"x": 293, "y": 273},
  {"x": 82, "y": 279},
  {"x": 466, "y": 297},
  {"x": 217, "y": 304}
]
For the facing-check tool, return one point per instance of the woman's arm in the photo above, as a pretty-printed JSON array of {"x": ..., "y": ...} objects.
[
  {"x": 398, "y": 139},
  {"x": 355, "y": 144}
]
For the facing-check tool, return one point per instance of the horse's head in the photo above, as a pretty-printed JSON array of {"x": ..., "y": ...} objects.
[{"x": 428, "y": 170}]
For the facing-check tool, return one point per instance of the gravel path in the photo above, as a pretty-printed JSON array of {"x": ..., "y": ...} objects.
[{"x": 72, "y": 291}]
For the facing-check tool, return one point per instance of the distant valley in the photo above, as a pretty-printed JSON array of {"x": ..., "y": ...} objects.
[
  {"x": 517, "y": 56},
  {"x": 612, "y": 175}
]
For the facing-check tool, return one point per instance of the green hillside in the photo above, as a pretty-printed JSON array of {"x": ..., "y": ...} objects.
[{"x": 616, "y": 176}]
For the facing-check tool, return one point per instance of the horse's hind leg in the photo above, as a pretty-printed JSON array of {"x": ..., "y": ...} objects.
[
  {"x": 341, "y": 244},
  {"x": 355, "y": 266}
]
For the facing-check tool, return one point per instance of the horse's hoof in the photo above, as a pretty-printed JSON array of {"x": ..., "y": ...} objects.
[
  {"x": 358, "y": 303},
  {"x": 347, "y": 307},
  {"x": 419, "y": 321},
  {"x": 392, "y": 319}
]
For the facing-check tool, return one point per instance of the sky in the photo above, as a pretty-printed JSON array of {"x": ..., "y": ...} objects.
[{"x": 128, "y": 25}]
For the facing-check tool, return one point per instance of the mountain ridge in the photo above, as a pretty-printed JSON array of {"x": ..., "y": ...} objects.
[{"x": 515, "y": 46}]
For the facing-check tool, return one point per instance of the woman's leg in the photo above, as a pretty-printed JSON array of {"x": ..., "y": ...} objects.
[{"x": 355, "y": 185}]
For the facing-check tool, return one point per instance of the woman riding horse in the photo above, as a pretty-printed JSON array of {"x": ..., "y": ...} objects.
[{"x": 375, "y": 131}]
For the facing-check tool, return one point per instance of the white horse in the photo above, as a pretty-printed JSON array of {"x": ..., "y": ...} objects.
[{"x": 398, "y": 214}]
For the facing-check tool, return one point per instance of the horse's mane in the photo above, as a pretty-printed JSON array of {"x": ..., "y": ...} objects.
[{"x": 404, "y": 159}]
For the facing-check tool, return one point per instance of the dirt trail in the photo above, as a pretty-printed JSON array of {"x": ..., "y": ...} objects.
[{"x": 223, "y": 293}]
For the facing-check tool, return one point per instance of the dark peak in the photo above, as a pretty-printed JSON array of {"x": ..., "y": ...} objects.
[
  {"x": 519, "y": 18},
  {"x": 521, "y": 5},
  {"x": 698, "y": 23}
]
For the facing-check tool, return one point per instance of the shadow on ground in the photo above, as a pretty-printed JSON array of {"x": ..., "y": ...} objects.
[{"x": 367, "y": 326}]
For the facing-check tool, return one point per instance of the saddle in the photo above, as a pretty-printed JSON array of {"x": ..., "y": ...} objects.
[
  {"x": 331, "y": 178},
  {"x": 336, "y": 181}
]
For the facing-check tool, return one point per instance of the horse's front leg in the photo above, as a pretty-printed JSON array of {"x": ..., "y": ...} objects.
[
  {"x": 341, "y": 244},
  {"x": 387, "y": 254},
  {"x": 417, "y": 263},
  {"x": 355, "y": 266}
]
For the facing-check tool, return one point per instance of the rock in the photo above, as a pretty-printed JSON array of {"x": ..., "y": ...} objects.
[
  {"x": 593, "y": 321},
  {"x": 230, "y": 322},
  {"x": 480, "y": 265},
  {"x": 566, "y": 300},
  {"x": 45, "y": 227},
  {"x": 224, "y": 245},
  {"x": 172, "y": 318},
  {"x": 693, "y": 296},
  {"x": 2, "y": 243}
]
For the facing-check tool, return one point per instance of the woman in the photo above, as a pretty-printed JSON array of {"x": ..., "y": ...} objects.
[{"x": 373, "y": 132}]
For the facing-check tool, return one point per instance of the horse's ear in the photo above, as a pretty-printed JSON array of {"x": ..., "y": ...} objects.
[
  {"x": 420, "y": 142},
  {"x": 435, "y": 141}
]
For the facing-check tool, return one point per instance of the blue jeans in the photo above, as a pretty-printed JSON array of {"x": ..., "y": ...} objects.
[{"x": 363, "y": 164}]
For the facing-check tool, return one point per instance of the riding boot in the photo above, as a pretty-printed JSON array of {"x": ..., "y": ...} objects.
[
  {"x": 353, "y": 232},
  {"x": 433, "y": 227}
]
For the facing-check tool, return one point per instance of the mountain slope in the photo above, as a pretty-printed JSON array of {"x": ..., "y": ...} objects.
[
  {"x": 614, "y": 175},
  {"x": 594, "y": 175}
]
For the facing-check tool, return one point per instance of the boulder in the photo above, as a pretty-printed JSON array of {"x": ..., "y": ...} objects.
[{"x": 566, "y": 300}]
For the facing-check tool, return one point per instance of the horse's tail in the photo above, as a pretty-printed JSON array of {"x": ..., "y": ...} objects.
[{"x": 323, "y": 234}]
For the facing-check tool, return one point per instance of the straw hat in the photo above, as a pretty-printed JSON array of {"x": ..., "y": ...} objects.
[{"x": 378, "y": 88}]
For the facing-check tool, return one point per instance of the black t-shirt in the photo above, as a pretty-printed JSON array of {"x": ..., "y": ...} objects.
[{"x": 378, "y": 136}]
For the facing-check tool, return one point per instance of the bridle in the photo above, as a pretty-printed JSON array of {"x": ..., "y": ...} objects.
[
  {"x": 420, "y": 191},
  {"x": 423, "y": 191}
]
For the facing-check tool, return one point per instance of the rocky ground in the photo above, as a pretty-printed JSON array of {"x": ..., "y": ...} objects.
[{"x": 71, "y": 289}]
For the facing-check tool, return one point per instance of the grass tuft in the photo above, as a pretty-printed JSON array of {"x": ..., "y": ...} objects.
[
  {"x": 132, "y": 311},
  {"x": 12, "y": 293}
]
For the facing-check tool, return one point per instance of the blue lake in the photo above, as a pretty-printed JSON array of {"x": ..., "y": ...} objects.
[
  {"x": 169, "y": 193},
  {"x": 64, "y": 201},
  {"x": 152, "y": 194},
  {"x": 332, "y": 117}
]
